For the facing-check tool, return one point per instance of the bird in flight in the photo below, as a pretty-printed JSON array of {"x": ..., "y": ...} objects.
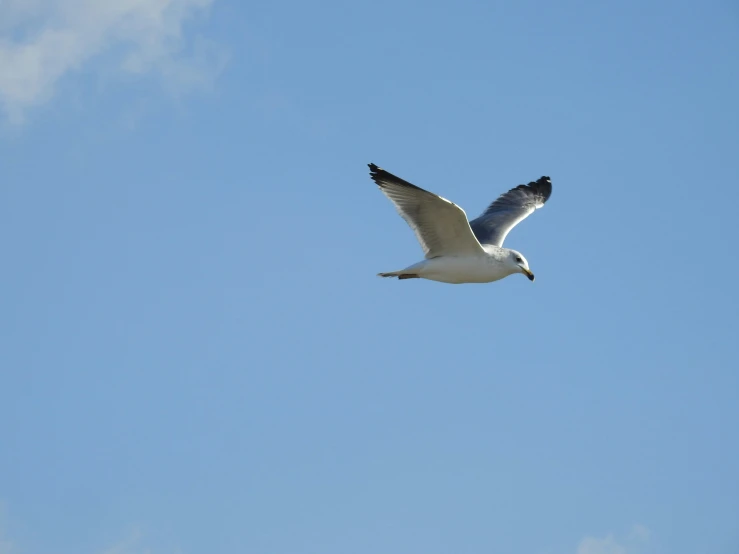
[{"x": 458, "y": 251}]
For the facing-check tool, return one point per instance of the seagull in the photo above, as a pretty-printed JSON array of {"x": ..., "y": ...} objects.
[{"x": 458, "y": 251}]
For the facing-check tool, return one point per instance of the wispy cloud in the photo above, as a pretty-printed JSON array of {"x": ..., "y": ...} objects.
[
  {"x": 41, "y": 41},
  {"x": 131, "y": 545},
  {"x": 606, "y": 545},
  {"x": 6, "y": 545},
  {"x": 637, "y": 541}
]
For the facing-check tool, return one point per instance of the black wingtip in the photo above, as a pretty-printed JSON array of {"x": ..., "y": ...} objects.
[
  {"x": 382, "y": 178},
  {"x": 542, "y": 186},
  {"x": 375, "y": 172}
]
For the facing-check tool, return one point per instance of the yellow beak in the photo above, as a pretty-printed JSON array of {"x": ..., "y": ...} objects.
[{"x": 528, "y": 274}]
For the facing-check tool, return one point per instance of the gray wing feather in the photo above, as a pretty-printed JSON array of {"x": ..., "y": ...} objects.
[
  {"x": 440, "y": 225},
  {"x": 509, "y": 209}
]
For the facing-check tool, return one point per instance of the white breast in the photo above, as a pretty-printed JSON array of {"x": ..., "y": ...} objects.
[{"x": 457, "y": 269}]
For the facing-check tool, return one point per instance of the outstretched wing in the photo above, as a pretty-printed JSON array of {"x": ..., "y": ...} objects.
[
  {"x": 440, "y": 225},
  {"x": 509, "y": 209}
]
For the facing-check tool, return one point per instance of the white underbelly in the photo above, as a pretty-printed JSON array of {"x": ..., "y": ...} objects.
[{"x": 451, "y": 269}]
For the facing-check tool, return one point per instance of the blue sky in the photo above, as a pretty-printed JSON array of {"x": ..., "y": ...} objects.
[{"x": 198, "y": 358}]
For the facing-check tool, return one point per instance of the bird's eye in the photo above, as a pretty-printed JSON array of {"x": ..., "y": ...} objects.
[{"x": 519, "y": 260}]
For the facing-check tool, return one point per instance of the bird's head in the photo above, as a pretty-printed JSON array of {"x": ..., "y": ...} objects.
[{"x": 519, "y": 263}]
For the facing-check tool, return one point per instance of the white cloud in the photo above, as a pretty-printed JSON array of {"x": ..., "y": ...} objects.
[
  {"x": 636, "y": 542},
  {"x": 128, "y": 546},
  {"x": 132, "y": 545},
  {"x": 640, "y": 533},
  {"x": 607, "y": 545},
  {"x": 41, "y": 41},
  {"x": 6, "y": 546}
]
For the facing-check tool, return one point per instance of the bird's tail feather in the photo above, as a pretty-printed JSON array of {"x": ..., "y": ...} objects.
[{"x": 399, "y": 275}]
